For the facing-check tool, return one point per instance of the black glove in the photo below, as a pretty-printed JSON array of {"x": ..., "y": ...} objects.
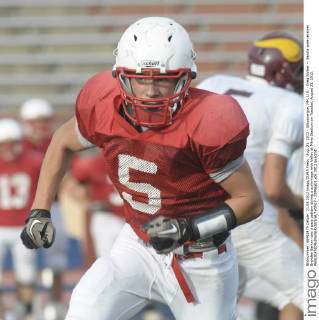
[
  {"x": 39, "y": 231},
  {"x": 167, "y": 234}
]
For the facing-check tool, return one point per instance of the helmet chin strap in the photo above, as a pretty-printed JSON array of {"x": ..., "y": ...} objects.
[
  {"x": 126, "y": 84},
  {"x": 179, "y": 86},
  {"x": 164, "y": 107}
]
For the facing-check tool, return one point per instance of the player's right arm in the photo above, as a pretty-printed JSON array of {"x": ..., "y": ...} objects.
[
  {"x": 39, "y": 231},
  {"x": 64, "y": 142}
]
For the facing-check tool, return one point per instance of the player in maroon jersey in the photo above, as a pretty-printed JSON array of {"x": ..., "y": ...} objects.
[
  {"x": 19, "y": 171},
  {"x": 175, "y": 154}
]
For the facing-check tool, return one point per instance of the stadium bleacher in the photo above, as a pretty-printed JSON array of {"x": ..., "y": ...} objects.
[{"x": 49, "y": 48}]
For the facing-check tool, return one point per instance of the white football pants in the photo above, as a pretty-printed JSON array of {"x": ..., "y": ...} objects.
[
  {"x": 105, "y": 228},
  {"x": 117, "y": 286},
  {"x": 271, "y": 256},
  {"x": 24, "y": 260}
]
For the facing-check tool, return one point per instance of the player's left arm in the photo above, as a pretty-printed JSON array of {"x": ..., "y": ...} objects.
[
  {"x": 244, "y": 204},
  {"x": 245, "y": 199},
  {"x": 226, "y": 166}
]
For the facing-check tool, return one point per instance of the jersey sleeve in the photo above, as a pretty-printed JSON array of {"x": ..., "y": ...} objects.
[
  {"x": 83, "y": 141},
  {"x": 287, "y": 128},
  {"x": 89, "y": 110},
  {"x": 223, "y": 138},
  {"x": 85, "y": 118}
]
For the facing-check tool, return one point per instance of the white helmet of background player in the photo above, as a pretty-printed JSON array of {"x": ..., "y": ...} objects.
[
  {"x": 37, "y": 116},
  {"x": 36, "y": 108},
  {"x": 10, "y": 130},
  {"x": 11, "y": 135},
  {"x": 154, "y": 48}
]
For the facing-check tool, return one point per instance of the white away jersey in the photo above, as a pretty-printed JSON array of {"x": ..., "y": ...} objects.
[
  {"x": 275, "y": 118},
  {"x": 295, "y": 170}
]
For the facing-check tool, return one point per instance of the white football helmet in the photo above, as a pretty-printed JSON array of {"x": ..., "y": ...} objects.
[
  {"x": 154, "y": 48},
  {"x": 35, "y": 109},
  {"x": 10, "y": 130}
]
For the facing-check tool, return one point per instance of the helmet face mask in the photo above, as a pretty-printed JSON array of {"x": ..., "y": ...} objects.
[
  {"x": 157, "y": 111},
  {"x": 154, "y": 49},
  {"x": 278, "y": 58}
]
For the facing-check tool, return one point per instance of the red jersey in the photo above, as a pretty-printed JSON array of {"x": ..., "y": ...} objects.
[
  {"x": 42, "y": 147},
  {"x": 91, "y": 170},
  {"x": 18, "y": 181},
  {"x": 164, "y": 171}
]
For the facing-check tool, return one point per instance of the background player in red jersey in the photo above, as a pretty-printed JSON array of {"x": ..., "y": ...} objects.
[
  {"x": 38, "y": 118},
  {"x": 184, "y": 187},
  {"x": 19, "y": 171},
  {"x": 104, "y": 205}
]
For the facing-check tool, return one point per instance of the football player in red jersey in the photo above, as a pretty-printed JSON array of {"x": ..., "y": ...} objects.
[
  {"x": 38, "y": 118},
  {"x": 19, "y": 171},
  {"x": 184, "y": 187},
  {"x": 104, "y": 204}
]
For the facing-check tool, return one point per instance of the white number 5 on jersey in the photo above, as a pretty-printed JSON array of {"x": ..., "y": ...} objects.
[{"x": 154, "y": 195}]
